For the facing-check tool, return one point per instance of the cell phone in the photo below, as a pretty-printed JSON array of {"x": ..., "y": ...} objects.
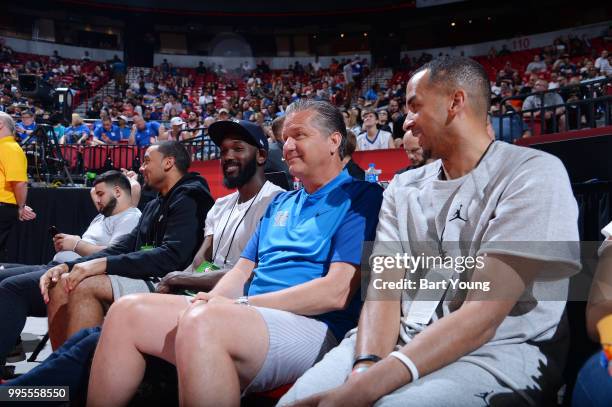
[{"x": 53, "y": 231}]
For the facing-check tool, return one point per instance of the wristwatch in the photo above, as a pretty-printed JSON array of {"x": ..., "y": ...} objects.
[{"x": 244, "y": 300}]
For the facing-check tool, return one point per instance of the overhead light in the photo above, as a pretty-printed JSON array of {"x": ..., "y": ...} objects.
[
  {"x": 342, "y": 35},
  {"x": 365, "y": 34},
  {"x": 453, "y": 24},
  {"x": 314, "y": 36},
  {"x": 470, "y": 21},
  {"x": 489, "y": 18}
]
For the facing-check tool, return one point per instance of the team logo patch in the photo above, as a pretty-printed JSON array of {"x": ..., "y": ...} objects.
[{"x": 280, "y": 219}]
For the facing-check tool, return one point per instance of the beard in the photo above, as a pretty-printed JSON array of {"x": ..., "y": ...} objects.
[
  {"x": 107, "y": 210},
  {"x": 244, "y": 174}
]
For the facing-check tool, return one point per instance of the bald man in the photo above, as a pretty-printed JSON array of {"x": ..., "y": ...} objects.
[{"x": 413, "y": 151}]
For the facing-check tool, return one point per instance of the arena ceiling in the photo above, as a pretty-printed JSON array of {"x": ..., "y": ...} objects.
[{"x": 246, "y": 8}]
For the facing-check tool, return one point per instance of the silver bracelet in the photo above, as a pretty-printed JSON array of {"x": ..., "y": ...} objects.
[
  {"x": 406, "y": 361},
  {"x": 244, "y": 300},
  {"x": 75, "y": 246}
]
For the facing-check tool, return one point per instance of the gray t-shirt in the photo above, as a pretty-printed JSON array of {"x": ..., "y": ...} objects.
[
  {"x": 232, "y": 224},
  {"x": 517, "y": 201},
  {"x": 104, "y": 231},
  {"x": 535, "y": 101}
]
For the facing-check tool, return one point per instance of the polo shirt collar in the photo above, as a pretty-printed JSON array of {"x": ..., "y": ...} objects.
[
  {"x": 325, "y": 189},
  {"x": 7, "y": 139}
]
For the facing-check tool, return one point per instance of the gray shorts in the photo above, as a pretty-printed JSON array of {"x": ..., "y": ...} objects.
[
  {"x": 296, "y": 344},
  {"x": 456, "y": 385},
  {"x": 123, "y": 286}
]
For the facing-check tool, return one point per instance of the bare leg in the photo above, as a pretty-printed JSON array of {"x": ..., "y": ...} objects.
[
  {"x": 219, "y": 346},
  {"x": 135, "y": 325},
  {"x": 82, "y": 308}
]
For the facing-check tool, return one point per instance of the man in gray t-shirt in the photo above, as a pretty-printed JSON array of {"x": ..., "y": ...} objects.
[
  {"x": 550, "y": 100},
  {"x": 487, "y": 333}
]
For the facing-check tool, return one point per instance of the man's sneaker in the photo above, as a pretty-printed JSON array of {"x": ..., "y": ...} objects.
[{"x": 17, "y": 355}]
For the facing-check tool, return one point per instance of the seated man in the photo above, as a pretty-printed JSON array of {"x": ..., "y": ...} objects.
[
  {"x": 489, "y": 333},
  {"x": 19, "y": 292},
  {"x": 144, "y": 133},
  {"x": 304, "y": 262},
  {"x": 414, "y": 152},
  {"x": 229, "y": 225},
  {"x": 234, "y": 218},
  {"x": 106, "y": 133},
  {"x": 166, "y": 239},
  {"x": 554, "y": 113},
  {"x": 373, "y": 138}
]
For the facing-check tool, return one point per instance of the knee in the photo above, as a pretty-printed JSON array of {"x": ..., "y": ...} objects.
[
  {"x": 128, "y": 307},
  {"x": 58, "y": 295},
  {"x": 204, "y": 321}
]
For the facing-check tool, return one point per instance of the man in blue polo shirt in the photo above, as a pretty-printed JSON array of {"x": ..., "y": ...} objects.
[
  {"x": 26, "y": 126},
  {"x": 143, "y": 133},
  {"x": 107, "y": 133},
  {"x": 304, "y": 265}
]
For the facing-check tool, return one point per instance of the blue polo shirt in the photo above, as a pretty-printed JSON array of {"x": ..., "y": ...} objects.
[
  {"x": 143, "y": 137},
  {"x": 301, "y": 234},
  {"x": 73, "y": 134},
  {"x": 124, "y": 132},
  {"x": 21, "y": 128},
  {"x": 112, "y": 134}
]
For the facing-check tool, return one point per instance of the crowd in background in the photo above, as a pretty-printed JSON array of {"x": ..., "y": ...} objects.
[{"x": 181, "y": 103}]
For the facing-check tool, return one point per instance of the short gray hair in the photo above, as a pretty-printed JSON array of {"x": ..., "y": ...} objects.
[
  {"x": 328, "y": 119},
  {"x": 8, "y": 122}
]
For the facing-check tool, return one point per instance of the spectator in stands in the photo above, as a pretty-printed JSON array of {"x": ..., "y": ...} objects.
[
  {"x": 373, "y": 138},
  {"x": 404, "y": 354},
  {"x": 192, "y": 127},
  {"x": 115, "y": 197},
  {"x": 351, "y": 166},
  {"x": 275, "y": 161},
  {"x": 77, "y": 132},
  {"x": 144, "y": 133},
  {"x": 175, "y": 131},
  {"x": 327, "y": 279},
  {"x": 593, "y": 385},
  {"x": 602, "y": 64},
  {"x": 107, "y": 133},
  {"x": 414, "y": 152},
  {"x": 504, "y": 51},
  {"x": 536, "y": 65},
  {"x": 124, "y": 129},
  {"x": 355, "y": 123},
  {"x": 553, "y": 109},
  {"x": 26, "y": 126},
  {"x": 383, "y": 121},
  {"x": 165, "y": 240},
  {"x": 119, "y": 70},
  {"x": 223, "y": 114}
]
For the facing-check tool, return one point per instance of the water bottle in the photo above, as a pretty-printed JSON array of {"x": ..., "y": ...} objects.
[
  {"x": 371, "y": 174},
  {"x": 297, "y": 184}
]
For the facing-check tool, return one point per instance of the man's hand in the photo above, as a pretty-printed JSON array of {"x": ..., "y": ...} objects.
[
  {"x": 168, "y": 284},
  {"x": 210, "y": 298},
  {"x": 26, "y": 213},
  {"x": 50, "y": 279},
  {"x": 132, "y": 176},
  {"x": 82, "y": 271},
  {"x": 65, "y": 242},
  {"x": 348, "y": 394}
]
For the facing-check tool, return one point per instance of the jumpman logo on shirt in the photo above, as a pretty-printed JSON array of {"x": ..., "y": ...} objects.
[
  {"x": 485, "y": 396},
  {"x": 457, "y": 215}
]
